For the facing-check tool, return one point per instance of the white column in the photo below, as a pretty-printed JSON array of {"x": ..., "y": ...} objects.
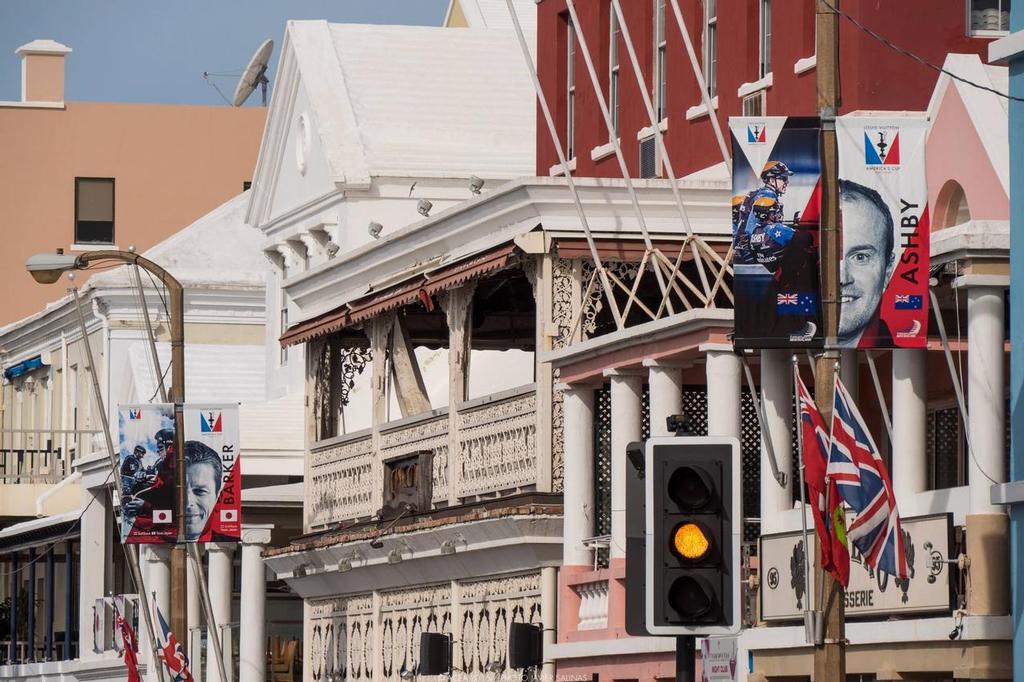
[
  {"x": 777, "y": 402},
  {"x": 158, "y": 580},
  {"x": 549, "y": 617},
  {"x": 986, "y": 401},
  {"x": 219, "y": 581},
  {"x": 95, "y": 506},
  {"x": 724, "y": 390},
  {"x": 666, "y": 386},
  {"x": 626, "y": 394},
  {"x": 909, "y": 418},
  {"x": 849, "y": 371},
  {"x": 578, "y": 495},
  {"x": 194, "y": 608},
  {"x": 252, "y": 636}
]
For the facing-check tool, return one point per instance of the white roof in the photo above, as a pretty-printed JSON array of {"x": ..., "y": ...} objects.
[
  {"x": 494, "y": 14},
  {"x": 38, "y": 524},
  {"x": 276, "y": 424},
  {"x": 218, "y": 249},
  {"x": 212, "y": 373}
]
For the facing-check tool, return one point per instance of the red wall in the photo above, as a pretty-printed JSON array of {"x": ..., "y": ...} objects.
[{"x": 872, "y": 75}]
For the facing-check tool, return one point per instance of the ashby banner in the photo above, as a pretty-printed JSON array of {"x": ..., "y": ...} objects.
[
  {"x": 213, "y": 474},
  {"x": 929, "y": 589},
  {"x": 776, "y": 205},
  {"x": 146, "y": 456},
  {"x": 883, "y": 273}
]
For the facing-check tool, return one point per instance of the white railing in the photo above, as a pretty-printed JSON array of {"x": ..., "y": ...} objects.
[
  {"x": 494, "y": 444},
  {"x": 593, "y": 613},
  {"x": 41, "y": 455}
]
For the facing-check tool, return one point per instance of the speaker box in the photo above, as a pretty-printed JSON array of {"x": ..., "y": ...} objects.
[
  {"x": 524, "y": 645},
  {"x": 435, "y": 653}
]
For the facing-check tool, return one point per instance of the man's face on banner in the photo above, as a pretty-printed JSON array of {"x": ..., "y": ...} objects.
[
  {"x": 201, "y": 490},
  {"x": 865, "y": 267}
]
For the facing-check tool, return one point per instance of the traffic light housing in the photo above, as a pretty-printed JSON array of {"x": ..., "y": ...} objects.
[{"x": 693, "y": 531}]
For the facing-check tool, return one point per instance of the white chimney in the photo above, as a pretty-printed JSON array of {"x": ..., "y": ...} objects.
[{"x": 42, "y": 71}]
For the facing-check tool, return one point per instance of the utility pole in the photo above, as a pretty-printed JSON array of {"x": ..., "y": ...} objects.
[{"x": 830, "y": 657}]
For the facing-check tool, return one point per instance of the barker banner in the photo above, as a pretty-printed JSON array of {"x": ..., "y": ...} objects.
[
  {"x": 776, "y": 204},
  {"x": 146, "y": 455},
  {"x": 883, "y": 273},
  {"x": 213, "y": 474}
]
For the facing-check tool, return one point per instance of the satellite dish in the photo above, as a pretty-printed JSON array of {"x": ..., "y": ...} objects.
[{"x": 255, "y": 74}]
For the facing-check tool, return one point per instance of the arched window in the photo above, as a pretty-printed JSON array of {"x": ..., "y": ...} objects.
[{"x": 951, "y": 206}]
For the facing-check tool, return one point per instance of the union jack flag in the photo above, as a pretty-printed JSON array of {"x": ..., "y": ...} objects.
[
  {"x": 786, "y": 299},
  {"x": 169, "y": 649},
  {"x": 829, "y": 517},
  {"x": 863, "y": 481}
]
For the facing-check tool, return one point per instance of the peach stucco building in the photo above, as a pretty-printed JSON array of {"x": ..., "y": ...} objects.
[{"x": 85, "y": 175}]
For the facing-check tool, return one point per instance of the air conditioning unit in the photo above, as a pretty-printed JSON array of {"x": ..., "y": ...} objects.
[
  {"x": 754, "y": 105},
  {"x": 648, "y": 158}
]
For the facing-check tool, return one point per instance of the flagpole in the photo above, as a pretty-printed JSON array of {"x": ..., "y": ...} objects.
[{"x": 809, "y": 617}]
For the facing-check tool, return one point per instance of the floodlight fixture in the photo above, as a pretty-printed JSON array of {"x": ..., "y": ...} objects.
[
  {"x": 475, "y": 184},
  {"x": 423, "y": 207}
]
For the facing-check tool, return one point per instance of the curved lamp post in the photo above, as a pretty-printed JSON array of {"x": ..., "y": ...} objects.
[{"x": 46, "y": 268}]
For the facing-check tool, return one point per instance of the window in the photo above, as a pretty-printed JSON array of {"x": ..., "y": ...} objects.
[
  {"x": 613, "y": 71},
  {"x": 753, "y": 105},
  {"x": 988, "y": 17},
  {"x": 765, "y": 39},
  {"x": 659, "y": 58},
  {"x": 570, "y": 90},
  {"x": 283, "y": 358},
  {"x": 946, "y": 449},
  {"x": 94, "y": 210},
  {"x": 711, "y": 47}
]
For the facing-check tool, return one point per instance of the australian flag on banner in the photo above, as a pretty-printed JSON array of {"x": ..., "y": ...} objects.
[
  {"x": 858, "y": 471},
  {"x": 796, "y": 304}
]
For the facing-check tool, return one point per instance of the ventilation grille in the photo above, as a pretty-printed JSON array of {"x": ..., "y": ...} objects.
[{"x": 648, "y": 165}]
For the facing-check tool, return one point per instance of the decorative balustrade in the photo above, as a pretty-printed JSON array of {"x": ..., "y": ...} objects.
[
  {"x": 494, "y": 444},
  {"x": 593, "y": 613},
  {"x": 341, "y": 485}
]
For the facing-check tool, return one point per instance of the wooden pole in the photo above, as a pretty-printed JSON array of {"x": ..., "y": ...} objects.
[{"x": 830, "y": 657}]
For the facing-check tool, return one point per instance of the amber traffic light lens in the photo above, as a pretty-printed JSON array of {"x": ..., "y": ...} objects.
[
  {"x": 690, "y": 541},
  {"x": 688, "y": 489}
]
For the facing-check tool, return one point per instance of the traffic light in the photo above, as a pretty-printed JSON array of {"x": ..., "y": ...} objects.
[{"x": 693, "y": 528}]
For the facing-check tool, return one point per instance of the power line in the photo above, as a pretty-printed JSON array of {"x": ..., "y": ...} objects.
[{"x": 921, "y": 60}]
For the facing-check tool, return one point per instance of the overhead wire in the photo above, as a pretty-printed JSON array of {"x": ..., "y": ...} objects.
[{"x": 917, "y": 58}]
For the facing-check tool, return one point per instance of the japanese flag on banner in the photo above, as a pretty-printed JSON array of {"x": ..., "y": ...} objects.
[
  {"x": 883, "y": 270},
  {"x": 213, "y": 473}
]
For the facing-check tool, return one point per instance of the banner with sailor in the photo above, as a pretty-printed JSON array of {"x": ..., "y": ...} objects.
[
  {"x": 146, "y": 468},
  {"x": 776, "y": 206},
  {"x": 883, "y": 200}
]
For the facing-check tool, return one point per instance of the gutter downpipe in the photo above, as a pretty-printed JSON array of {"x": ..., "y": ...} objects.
[{"x": 41, "y": 500}]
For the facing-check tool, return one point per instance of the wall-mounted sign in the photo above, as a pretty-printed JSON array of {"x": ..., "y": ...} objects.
[{"x": 929, "y": 589}]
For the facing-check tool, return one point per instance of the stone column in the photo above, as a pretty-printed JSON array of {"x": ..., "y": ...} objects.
[
  {"x": 777, "y": 403},
  {"x": 909, "y": 417},
  {"x": 666, "y": 385},
  {"x": 626, "y": 394},
  {"x": 724, "y": 372},
  {"x": 578, "y": 408},
  {"x": 549, "y": 617},
  {"x": 252, "y": 636},
  {"x": 194, "y": 608},
  {"x": 158, "y": 567},
  {"x": 91, "y": 585},
  {"x": 220, "y": 582},
  {"x": 987, "y": 524}
]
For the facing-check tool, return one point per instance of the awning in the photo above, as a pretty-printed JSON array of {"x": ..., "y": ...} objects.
[
  {"x": 426, "y": 284},
  {"x": 23, "y": 367}
]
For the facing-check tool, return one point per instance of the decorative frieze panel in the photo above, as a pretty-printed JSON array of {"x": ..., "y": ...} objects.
[
  {"x": 342, "y": 639},
  {"x": 486, "y": 610},
  {"x": 341, "y": 485},
  {"x": 497, "y": 445},
  {"x": 404, "y": 616}
]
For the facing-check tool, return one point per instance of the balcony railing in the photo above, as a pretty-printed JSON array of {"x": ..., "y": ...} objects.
[
  {"x": 41, "y": 455},
  {"x": 494, "y": 444}
]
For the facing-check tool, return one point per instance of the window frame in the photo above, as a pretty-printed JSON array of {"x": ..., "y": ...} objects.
[
  {"x": 709, "y": 48},
  {"x": 113, "y": 211},
  {"x": 570, "y": 90},
  {"x": 282, "y": 319},
  {"x": 614, "y": 31},
  {"x": 660, "y": 50},
  {"x": 971, "y": 32},
  {"x": 764, "y": 39}
]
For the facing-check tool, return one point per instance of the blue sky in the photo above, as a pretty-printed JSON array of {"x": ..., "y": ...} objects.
[{"x": 150, "y": 51}]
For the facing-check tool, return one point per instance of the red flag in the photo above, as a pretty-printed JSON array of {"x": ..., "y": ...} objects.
[
  {"x": 129, "y": 644},
  {"x": 826, "y": 504}
]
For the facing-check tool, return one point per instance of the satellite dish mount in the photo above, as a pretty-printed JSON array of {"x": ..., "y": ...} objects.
[{"x": 255, "y": 74}]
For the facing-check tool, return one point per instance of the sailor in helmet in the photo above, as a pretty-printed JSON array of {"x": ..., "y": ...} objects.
[
  {"x": 740, "y": 241},
  {"x": 769, "y": 237}
]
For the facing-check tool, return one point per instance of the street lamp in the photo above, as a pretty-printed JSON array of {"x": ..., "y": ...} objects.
[{"x": 46, "y": 268}]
